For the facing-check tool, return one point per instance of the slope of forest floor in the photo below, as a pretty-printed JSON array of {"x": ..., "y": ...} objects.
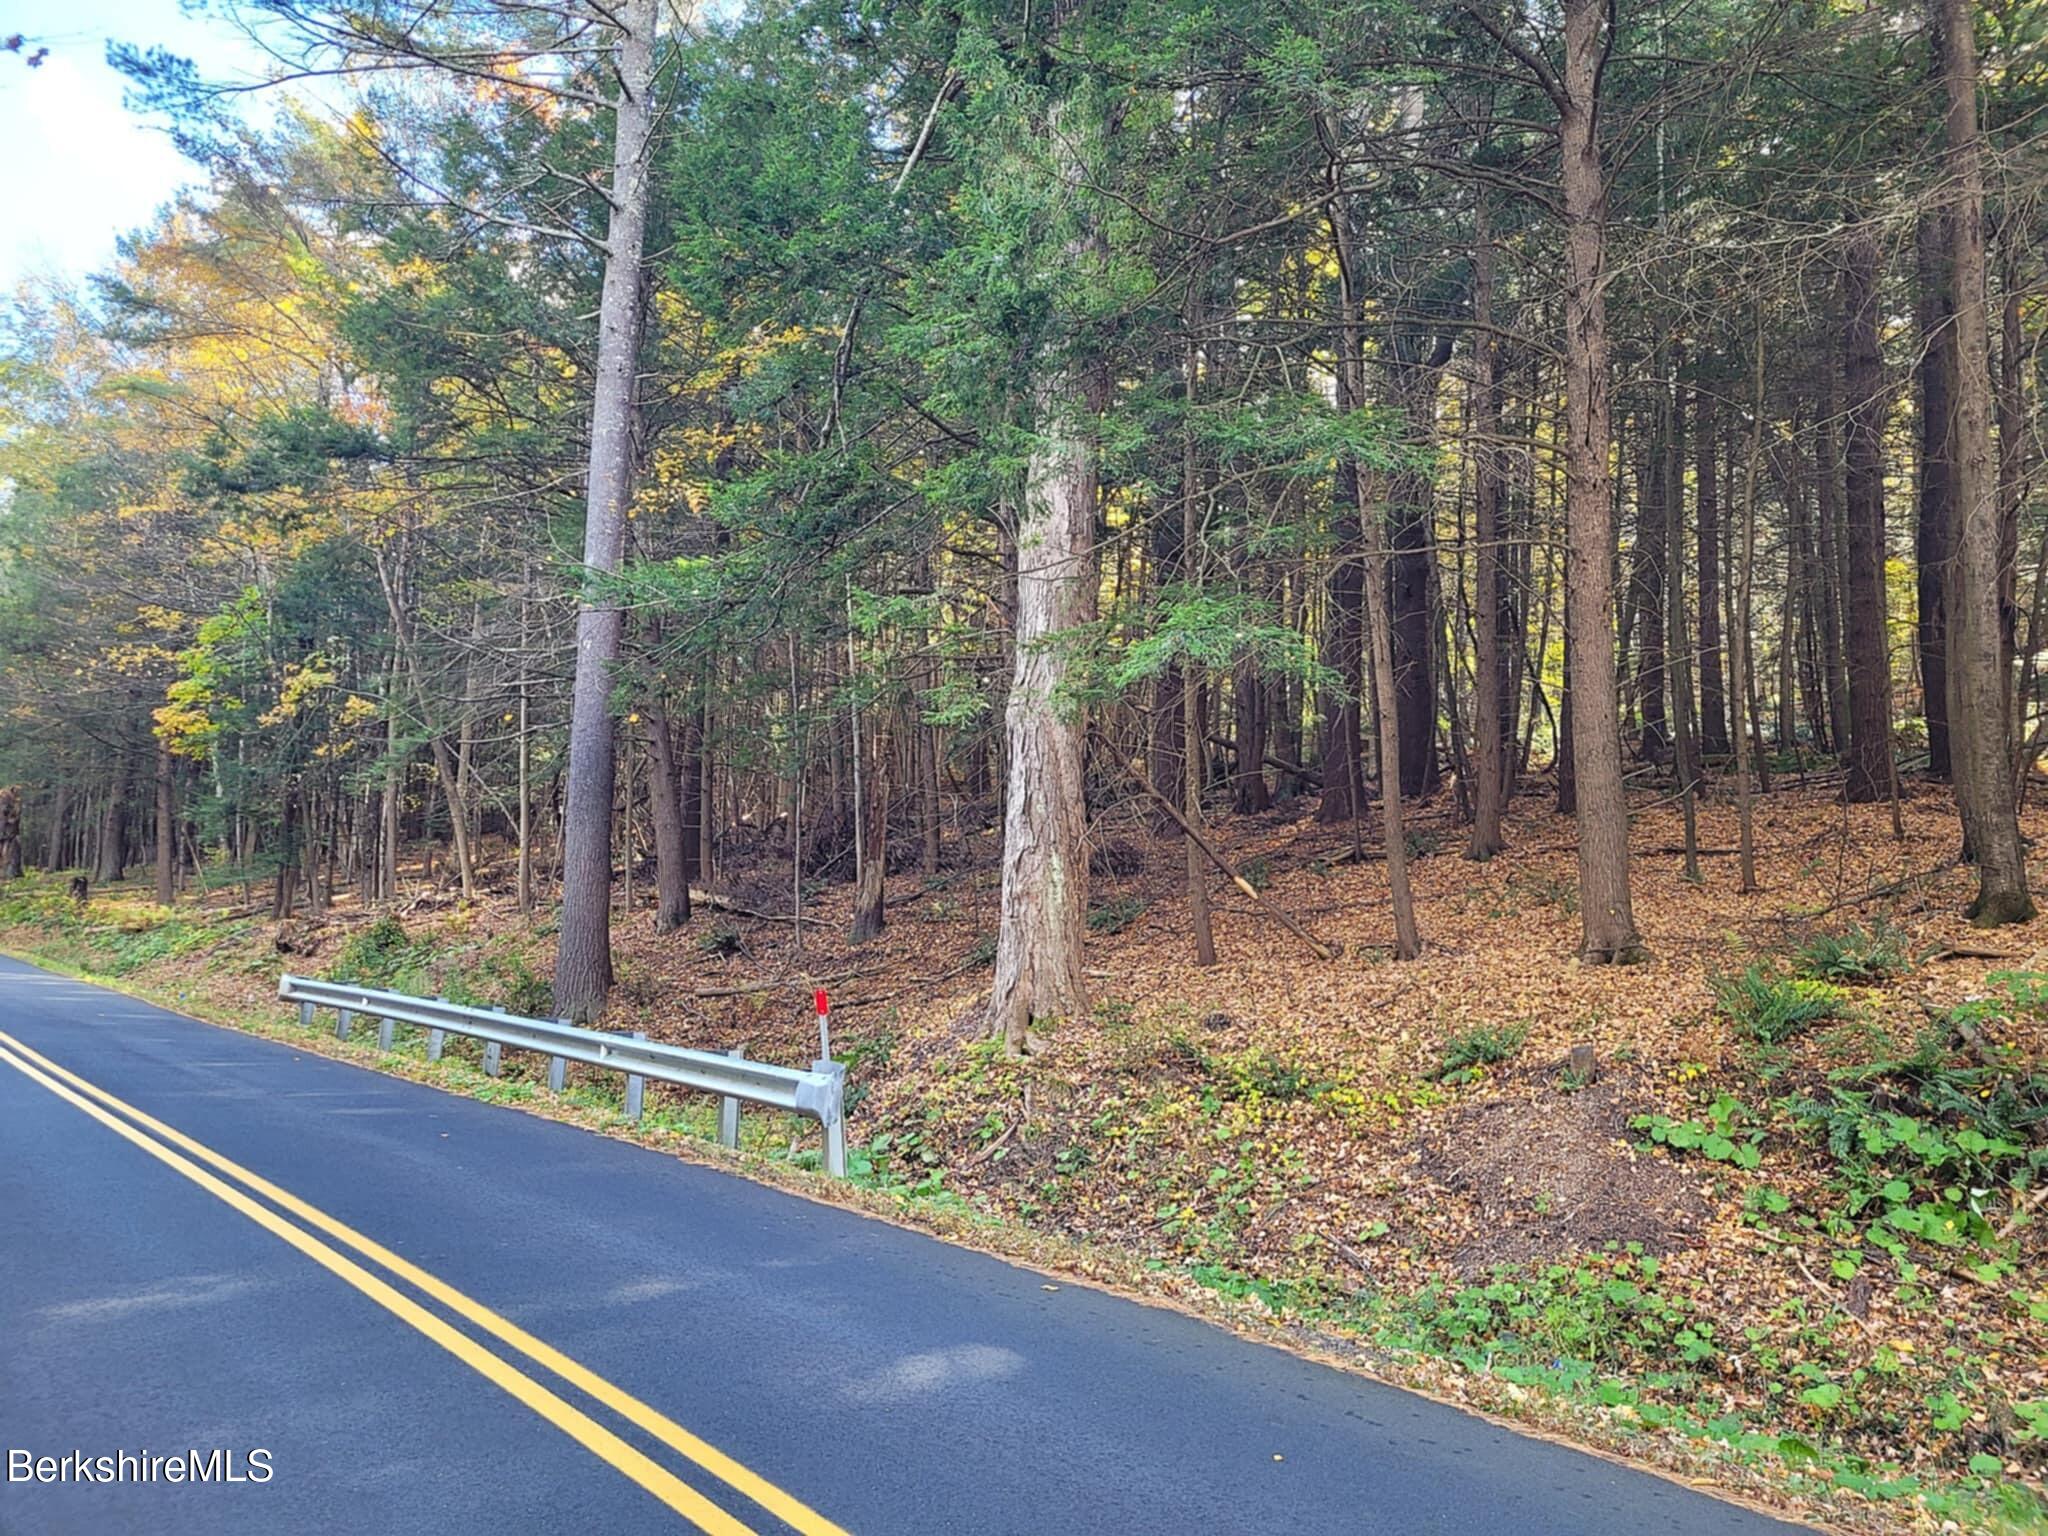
[{"x": 1785, "y": 1235}]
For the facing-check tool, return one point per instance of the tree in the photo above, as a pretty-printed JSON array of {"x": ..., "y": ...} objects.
[
  {"x": 1490, "y": 711},
  {"x": 1976, "y": 683},
  {"x": 583, "y": 965},
  {"x": 1044, "y": 905},
  {"x": 1606, "y": 915},
  {"x": 1870, "y": 680},
  {"x": 10, "y": 832}
]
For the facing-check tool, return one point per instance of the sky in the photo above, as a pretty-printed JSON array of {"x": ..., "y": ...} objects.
[{"x": 77, "y": 170}]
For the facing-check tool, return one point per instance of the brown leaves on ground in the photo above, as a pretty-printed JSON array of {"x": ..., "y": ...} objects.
[{"x": 1285, "y": 1118}]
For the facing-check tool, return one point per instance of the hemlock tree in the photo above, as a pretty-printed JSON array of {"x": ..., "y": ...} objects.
[{"x": 1044, "y": 904}]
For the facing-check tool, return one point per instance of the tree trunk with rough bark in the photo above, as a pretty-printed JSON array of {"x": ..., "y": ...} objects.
[
  {"x": 54, "y": 857},
  {"x": 1249, "y": 792},
  {"x": 1870, "y": 682},
  {"x": 870, "y": 897},
  {"x": 1407, "y": 941},
  {"x": 1685, "y": 742},
  {"x": 1416, "y": 368},
  {"x": 1652, "y": 530},
  {"x": 1606, "y": 915},
  {"x": 1040, "y": 943},
  {"x": 1740, "y": 630},
  {"x": 1044, "y": 907},
  {"x": 1490, "y": 684},
  {"x": 1976, "y": 690},
  {"x": 1934, "y": 532},
  {"x": 1833, "y": 571},
  {"x": 583, "y": 963},
  {"x": 1706, "y": 465},
  {"x": 10, "y": 832},
  {"x": 1379, "y": 592},
  {"x": 166, "y": 828},
  {"x": 665, "y": 805},
  {"x": 1343, "y": 772},
  {"x": 110, "y": 862}
]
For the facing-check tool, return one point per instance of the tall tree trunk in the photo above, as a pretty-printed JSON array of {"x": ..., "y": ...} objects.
[
  {"x": 1192, "y": 753},
  {"x": 1342, "y": 768},
  {"x": 698, "y": 840},
  {"x": 10, "y": 832},
  {"x": 1567, "y": 754},
  {"x": 1713, "y": 690},
  {"x": 1489, "y": 585},
  {"x": 2014, "y": 356},
  {"x": 1045, "y": 866},
  {"x": 583, "y": 964},
  {"x": 1379, "y": 627},
  {"x": 281, "y": 895},
  {"x": 931, "y": 807},
  {"x": 166, "y": 829},
  {"x": 1167, "y": 745},
  {"x": 1934, "y": 533},
  {"x": 1976, "y": 689},
  {"x": 393, "y": 794},
  {"x": 1249, "y": 793},
  {"x": 1044, "y": 904},
  {"x": 1606, "y": 915},
  {"x": 1833, "y": 565},
  {"x": 1653, "y": 520},
  {"x": 54, "y": 857},
  {"x": 1870, "y": 672},
  {"x": 525, "y": 824},
  {"x": 1407, "y": 941},
  {"x": 870, "y": 904},
  {"x": 1798, "y": 682},
  {"x": 458, "y": 816},
  {"x": 665, "y": 805},
  {"x": 110, "y": 863},
  {"x": 391, "y": 577},
  {"x": 1684, "y": 738},
  {"x": 1416, "y": 367},
  {"x": 2016, "y": 466},
  {"x": 1740, "y": 631}
]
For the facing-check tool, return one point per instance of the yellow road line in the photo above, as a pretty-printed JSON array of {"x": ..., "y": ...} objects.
[
  {"x": 784, "y": 1506},
  {"x": 577, "y": 1425}
]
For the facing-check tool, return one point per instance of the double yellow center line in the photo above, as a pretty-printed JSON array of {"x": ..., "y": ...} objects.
[{"x": 169, "y": 1147}]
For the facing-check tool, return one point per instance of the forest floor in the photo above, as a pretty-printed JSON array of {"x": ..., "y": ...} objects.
[{"x": 1778, "y": 1240}]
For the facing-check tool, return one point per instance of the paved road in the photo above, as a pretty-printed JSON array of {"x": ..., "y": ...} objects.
[{"x": 761, "y": 1363}]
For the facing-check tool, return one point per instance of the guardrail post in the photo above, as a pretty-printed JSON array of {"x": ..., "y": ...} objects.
[
  {"x": 636, "y": 1087},
  {"x": 343, "y": 1018},
  {"x": 729, "y": 1109},
  {"x": 558, "y": 1071},
  {"x": 436, "y": 1038},
  {"x": 305, "y": 1015},
  {"x": 835, "y": 1128},
  {"x": 491, "y": 1054},
  {"x": 385, "y": 1028}
]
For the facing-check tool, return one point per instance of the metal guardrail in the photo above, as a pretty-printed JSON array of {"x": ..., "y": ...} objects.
[{"x": 819, "y": 1092}]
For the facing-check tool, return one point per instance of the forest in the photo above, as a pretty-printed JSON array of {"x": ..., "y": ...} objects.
[{"x": 1151, "y": 537}]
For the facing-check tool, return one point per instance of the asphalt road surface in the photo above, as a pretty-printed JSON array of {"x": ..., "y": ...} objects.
[{"x": 437, "y": 1316}]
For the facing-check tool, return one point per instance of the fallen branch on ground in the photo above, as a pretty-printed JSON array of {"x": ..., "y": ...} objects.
[{"x": 1323, "y": 951}]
